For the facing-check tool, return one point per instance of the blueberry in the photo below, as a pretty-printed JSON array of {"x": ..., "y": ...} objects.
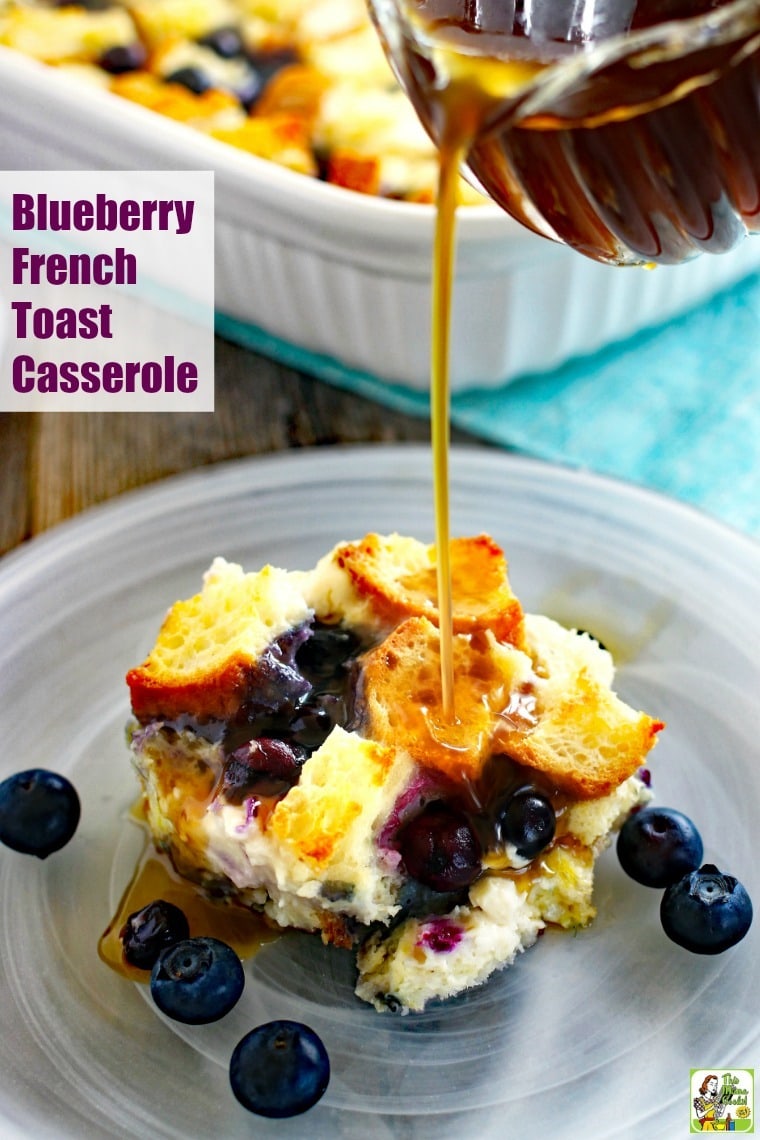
[
  {"x": 324, "y": 656},
  {"x": 89, "y": 5},
  {"x": 440, "y": 848},
  {"x": 226, "y": 42},
  {"x": 526, "y": 821},
  {"x": 192, "y": 78},
  {"x": 266, "y": 766},
  {"x": 197, "y": 980},
  {"x": 279, "y": 1069},
  {"x": 249, "y": 90},
  {"x": 39, "y": 812},
  {"x": 150, "y": 930},
  {"x": 277, "y": 685},
  {"x": 123, "y": 57},
  {"x": 268, "y": 63},
  {"x": 657, "y": 846},
  {"x": 706, "y": 911},
  {"x": 314, "y": 720}
]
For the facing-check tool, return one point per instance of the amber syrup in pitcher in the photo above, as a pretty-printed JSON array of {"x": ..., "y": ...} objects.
[
  {"x": 644, "y": 150},
  {"x": 648, "y": 155}
]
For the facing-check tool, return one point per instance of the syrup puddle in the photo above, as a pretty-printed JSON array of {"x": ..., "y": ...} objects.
[{"x": 154, "y": 878}]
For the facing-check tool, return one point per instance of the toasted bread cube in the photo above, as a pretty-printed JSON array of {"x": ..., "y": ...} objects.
[
  {"x": 586, "y": 740},
  {"x": 206, "y": 658},
  {"x": 381, "y": 580},
  {"x": 402, "y": 700}
]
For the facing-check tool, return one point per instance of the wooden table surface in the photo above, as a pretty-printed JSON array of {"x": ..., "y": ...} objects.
[{"x": 54, "y": 465}]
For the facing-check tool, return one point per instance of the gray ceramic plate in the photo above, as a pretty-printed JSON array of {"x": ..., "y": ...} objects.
[{"x": 591, "y": 1035}]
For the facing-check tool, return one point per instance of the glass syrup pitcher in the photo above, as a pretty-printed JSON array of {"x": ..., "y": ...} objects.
[{"x": 626, "y": 129}]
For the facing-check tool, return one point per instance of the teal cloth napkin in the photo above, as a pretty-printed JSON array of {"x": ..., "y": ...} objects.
[{"x": 676, "y": 409}]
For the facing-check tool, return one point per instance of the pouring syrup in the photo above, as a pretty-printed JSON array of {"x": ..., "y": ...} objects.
[{"x": 627, "y": 129}]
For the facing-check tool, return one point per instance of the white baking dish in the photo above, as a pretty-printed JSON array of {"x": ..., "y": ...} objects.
[{"x": 346, "y": 276}]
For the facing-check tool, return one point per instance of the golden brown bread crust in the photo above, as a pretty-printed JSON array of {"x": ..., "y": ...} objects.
[
  {"x": 587, "y": 743},
  {"x": 214, "y": 695},
  {"x": 213, "y": 651},
  {"x": 575, "y": 730},
  {"x": 212, "y": 648},
  {"x": 401, "y": 696},
  {"x": 313, "y": 819},
  {"x": 482, "y": 597},
  {"x": 326, "y": 851},
  {"x": 585, "y": 739}
]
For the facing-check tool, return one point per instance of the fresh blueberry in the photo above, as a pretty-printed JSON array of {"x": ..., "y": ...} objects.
[
  {"x": 706, "y": 911},
  {"x": 150, "y": 930},
  {"x": 440, "y": 848},
  {"x": 192, "y": 78},
  {"x": 197, "y": 980},
  {"x": 657, "y": 846},
  {"x": 527, "y": 822},
  {"x": 279, "y": 1069},
  {"x": 39, "y": 812}
]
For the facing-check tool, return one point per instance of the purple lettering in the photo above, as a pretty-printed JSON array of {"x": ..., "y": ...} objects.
[
  {"x": 90, "y": 371},
  {"x": 68, "y": 377},
  {"x": 151, "y": 377},
  {"x": 81, "y": 215},
  {"x": 111, "y": 376},
  {"x": 23, "y": 212},
  {"x": 22, "y": 381},
  {"x": 21, "y": 309},
  {"x": 187, "y": 377}
]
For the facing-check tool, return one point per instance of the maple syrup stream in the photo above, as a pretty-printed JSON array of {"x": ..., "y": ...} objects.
[
  {"x": 463, "y": 105},
  {"x": 440, "y": 400}
]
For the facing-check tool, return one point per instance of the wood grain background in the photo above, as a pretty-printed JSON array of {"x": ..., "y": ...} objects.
[{"x": 56, "y": 464}]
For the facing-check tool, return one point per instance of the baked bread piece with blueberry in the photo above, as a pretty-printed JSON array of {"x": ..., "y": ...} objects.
[
  {"x": 302, "y": 83},
  {"x": 295, "y": 759}
]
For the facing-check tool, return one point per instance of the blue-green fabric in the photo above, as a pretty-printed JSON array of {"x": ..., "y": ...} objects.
[{"x": 676, "y": 409}]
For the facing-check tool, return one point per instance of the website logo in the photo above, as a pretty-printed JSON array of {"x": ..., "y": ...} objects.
[{"x": 723, "y": 1100}]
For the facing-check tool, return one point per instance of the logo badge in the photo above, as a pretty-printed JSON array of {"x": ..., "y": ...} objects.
[{"x": 722, "y": 1100}]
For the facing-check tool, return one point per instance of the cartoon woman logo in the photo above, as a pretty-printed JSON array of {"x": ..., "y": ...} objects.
[{"x": 709, "y": 1107}]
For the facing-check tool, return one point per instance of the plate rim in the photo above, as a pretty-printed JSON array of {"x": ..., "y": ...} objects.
[
  {"x": 146, "y": 500},
  {"x": 69, "y": 538}
]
